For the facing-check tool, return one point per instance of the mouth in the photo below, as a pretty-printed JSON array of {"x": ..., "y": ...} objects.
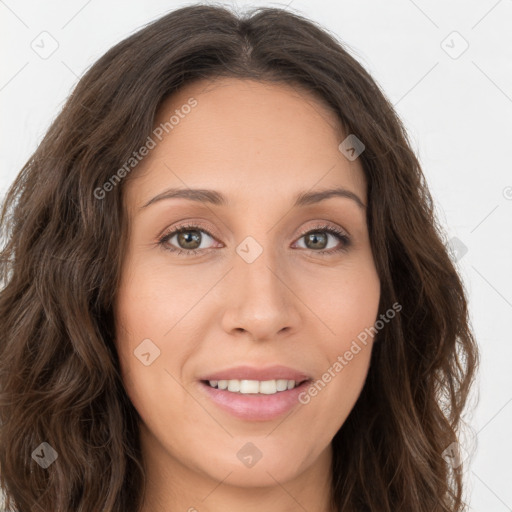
[
  {"x": 251, "y": 394},
  {"x": 253, "y": 400}
]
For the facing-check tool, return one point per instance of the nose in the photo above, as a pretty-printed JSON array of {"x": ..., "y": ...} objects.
[{"x": 261, "y": 300}]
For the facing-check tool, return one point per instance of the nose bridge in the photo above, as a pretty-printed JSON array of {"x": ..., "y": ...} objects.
[{"x": 256, "y": 265}]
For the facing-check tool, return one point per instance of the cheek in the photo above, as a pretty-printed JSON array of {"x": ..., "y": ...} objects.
[
  {"x": 152, "y": 328},
  {"x": 333, "y": 393},
  {"x": 152, "y": 300},
  {"x": 349, "y": 304},
  {"x": 350, "y": 311},
  {"x": 156, "y": 295}
]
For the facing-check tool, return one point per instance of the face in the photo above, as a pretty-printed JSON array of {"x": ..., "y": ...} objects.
[{"x": 258, "y": 289}]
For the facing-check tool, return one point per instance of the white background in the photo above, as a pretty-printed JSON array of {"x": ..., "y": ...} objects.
[{"x": 458, "y": 112}]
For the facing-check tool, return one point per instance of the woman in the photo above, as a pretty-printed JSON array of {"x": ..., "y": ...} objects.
[{"x": 225, "y": 287}]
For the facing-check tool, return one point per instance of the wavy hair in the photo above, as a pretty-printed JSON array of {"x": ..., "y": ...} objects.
[{"x": 60, "y": 264}]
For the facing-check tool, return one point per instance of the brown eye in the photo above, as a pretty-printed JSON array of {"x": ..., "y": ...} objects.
[
  {"x": 186, "y": 239},
  {"x": 316, "y": 240},
  {"x": 189, "y": 239}
]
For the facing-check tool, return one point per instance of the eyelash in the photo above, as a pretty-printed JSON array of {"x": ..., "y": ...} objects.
[{"x": 340, "y": 235}]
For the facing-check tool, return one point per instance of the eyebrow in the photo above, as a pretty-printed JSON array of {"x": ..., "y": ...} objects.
[{"x": 216, "y": 198}]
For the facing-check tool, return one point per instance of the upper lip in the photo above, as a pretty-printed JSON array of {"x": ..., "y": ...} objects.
[{"x": 263, "y": 373}]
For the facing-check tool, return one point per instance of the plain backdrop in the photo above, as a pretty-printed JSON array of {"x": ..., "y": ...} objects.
[{"x": 447, "y": 68}]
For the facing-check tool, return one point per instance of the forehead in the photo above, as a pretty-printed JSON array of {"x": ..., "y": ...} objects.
[
  {"x": 246, "y": 136},
  {"x": 245, "y": 93}
]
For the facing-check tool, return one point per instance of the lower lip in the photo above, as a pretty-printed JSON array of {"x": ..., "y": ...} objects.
[{"x": 252, "y": 407}]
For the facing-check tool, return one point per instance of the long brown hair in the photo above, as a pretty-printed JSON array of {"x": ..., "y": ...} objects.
[{"x": 60, "y": 265}]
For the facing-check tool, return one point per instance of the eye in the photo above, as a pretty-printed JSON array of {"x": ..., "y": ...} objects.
[
  {"x": 318, "y": 238},
  {"x": 189, "y": 240}
]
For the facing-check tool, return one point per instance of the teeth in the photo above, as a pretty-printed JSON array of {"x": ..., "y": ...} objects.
[
  {"x": 282, "y": 384},
  {"x": 265, "y": 387},
  {"x": 249, "y": 386},
  {"x": 234, "y": 385}
]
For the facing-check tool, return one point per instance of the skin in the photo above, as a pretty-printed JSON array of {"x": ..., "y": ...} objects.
[{"x": 259, "y": 144}]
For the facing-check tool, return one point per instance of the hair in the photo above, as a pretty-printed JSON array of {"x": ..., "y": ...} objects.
[{"x": 60, "y": 265}]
